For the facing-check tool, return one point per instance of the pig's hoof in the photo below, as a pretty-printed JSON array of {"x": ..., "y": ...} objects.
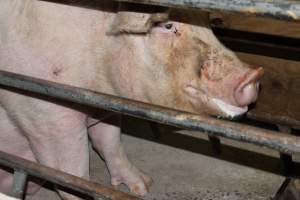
[{"x": 137, "y": 181}]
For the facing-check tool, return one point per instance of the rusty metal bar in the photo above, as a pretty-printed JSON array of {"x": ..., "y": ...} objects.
[
  {"x": 63, "y": 179},
  {"x": 20, "y": 178},
  {"x": 216, "y": 127},
  {"x": 279, "y": 9},
  {"x": 269, "y": 118}
]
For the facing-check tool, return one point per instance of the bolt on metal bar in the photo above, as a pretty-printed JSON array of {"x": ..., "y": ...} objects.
[
  {"x": 63, "y": 179},
  {"x": 19, "y": 183},
  {"x": 279, "y": 9},
  {"x": 216, "y": 127}
]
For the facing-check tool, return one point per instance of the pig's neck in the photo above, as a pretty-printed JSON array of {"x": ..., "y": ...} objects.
[{"x": 117, "y": 69}]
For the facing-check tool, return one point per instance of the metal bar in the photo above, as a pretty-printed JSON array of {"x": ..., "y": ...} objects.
[
  {"x": 155, "y": 130},
  {"x": 286, "y": 163},
  {"x": 279, "y": 9},
  {"x": 269, "y": 118},
  {"x": 19, "y": 183},
  {"x": 274, "y": 140},
  {"x": 215, "y": 144},
  {"x": 280, "y": 193},
  {"x": 289, "y": 190},
  {"x": 66, "y": 180},
  {"x": 286, "y": 160}
]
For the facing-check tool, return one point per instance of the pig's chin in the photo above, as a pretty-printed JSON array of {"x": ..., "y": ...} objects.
[{"x": 228, "y": 109}]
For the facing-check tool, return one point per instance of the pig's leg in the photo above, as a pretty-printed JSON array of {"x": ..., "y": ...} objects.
[
  {"x": 105, "y": 137},
  {"x": 13, "y": 142},
  {"x": 57, "y": 135},
  {"x": 63, "y": 146}
]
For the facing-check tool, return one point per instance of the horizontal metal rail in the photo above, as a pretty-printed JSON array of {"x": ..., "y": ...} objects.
[
  {"x": 23, "y": 167},
  {"x": 279, "y": 9},
  {"x": 215, "y": 127}
]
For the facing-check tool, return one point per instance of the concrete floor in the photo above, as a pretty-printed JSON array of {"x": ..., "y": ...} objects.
[{"x": 184, "y": 168}]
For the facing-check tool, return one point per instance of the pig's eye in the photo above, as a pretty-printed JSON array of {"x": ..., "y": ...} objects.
[{"x": 168, "y": 26}]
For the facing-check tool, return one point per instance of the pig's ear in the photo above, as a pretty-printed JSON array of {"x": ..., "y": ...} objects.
[{"x": 135, "y": 21}]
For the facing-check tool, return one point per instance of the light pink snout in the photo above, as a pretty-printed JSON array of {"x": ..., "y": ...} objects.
[{"x": 247, "y": 91}]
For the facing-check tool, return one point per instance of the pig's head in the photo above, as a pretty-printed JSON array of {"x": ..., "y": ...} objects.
[{"x": 174, "y": 59}]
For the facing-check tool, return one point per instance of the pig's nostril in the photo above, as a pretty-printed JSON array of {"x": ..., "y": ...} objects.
[{"x": 247, "y": 94}]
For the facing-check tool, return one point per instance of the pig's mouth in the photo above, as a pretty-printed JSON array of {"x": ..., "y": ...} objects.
[
  {"x": 219, "y": 107},
  {"x": 228, "y": 109}
]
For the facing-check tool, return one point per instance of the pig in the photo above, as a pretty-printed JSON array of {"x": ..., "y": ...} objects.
[{"x": 167, "y": 57}]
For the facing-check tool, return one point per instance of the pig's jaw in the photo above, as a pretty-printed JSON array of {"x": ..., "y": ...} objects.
[{"x": 230, "y": 110}]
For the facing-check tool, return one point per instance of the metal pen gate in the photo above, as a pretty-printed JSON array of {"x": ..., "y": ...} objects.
[{"x": 215, "y": 128}]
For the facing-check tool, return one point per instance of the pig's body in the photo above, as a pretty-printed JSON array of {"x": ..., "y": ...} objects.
[{"x": 182, "y": 66}]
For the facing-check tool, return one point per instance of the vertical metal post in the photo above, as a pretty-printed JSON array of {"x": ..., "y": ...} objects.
[
  {"x": 20, "y": 178},
  {"x": 286, "y": 159},
  {"x": 289, "y": 190},
  {"x": 215, "y": 144},
  {"x": 155, "y": 129}
]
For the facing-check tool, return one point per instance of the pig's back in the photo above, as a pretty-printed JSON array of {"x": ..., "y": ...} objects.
[{"x": 52, "y": 41}]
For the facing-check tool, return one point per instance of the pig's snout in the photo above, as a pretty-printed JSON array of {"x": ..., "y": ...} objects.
[{"x": 247, "y": 91}]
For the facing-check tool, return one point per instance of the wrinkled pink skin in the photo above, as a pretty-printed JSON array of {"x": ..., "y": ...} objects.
[{"x": 183, "y": 67}]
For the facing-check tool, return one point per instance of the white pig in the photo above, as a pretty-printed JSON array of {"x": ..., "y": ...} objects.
[{"x": 164, "y": 57}]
